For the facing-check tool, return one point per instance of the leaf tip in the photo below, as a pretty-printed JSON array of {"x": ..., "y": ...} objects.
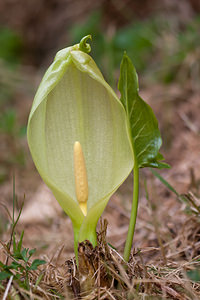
[{"x": 83, "y": 45}]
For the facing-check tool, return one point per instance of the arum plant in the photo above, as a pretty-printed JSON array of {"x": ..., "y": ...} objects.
[
  {"x": 78, "y": 136},
  {"x": 144, "y": 135}
]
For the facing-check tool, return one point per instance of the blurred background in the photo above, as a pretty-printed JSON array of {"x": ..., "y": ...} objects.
[{"x": 162, "y": 37}]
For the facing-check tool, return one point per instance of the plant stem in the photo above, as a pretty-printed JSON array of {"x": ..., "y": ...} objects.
[
  {"x": 76, "y": 234},
  {"x": 131, "y": 229}
]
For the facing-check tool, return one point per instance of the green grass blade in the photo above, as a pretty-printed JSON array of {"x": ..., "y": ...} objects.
[{"x": 165, "y": 182}]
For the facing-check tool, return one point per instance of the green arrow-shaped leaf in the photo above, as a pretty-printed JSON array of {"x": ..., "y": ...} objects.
[{"x": 144, "y": 131}]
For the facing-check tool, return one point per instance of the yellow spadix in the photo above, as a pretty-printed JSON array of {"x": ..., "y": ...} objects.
[{"x": 80, "y": 175}]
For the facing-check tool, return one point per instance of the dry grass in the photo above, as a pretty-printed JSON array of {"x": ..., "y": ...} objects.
[{"x": 152, "y": 272}]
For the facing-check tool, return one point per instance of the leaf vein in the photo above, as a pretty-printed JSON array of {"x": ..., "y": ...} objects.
[
  {"x": 144, "y": 150},
  {"x": 134, "y": 124},
  {"x": 138, "y": 134}
]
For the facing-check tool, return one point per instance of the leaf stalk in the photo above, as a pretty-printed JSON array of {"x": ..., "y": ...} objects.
[{"x": 134, "y": 209}]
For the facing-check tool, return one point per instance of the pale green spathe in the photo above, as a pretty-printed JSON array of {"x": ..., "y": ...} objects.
[{"x": 74, "y": 103}]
